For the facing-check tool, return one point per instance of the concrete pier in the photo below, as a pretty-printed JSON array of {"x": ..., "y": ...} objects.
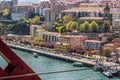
[
  {"x": 57, "y": 56},
  {"x": 86, "y": 61}
]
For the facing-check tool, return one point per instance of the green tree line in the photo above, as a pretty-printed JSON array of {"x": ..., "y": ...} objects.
[{"x": 73, "y": 26}]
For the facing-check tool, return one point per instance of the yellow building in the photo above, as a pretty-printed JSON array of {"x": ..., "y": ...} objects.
[{"x": 62, "y": 47}]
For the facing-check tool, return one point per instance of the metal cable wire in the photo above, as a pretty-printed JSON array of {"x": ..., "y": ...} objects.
[{"x": 43, "y": 73}]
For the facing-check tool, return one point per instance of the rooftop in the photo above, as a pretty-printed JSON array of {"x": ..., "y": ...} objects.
[
  {"x": 63, "y": 43},
  {"x": 76, "y": 36},
  {"x": 117, "y": 20},
  {"x": 109, "y": 44},
  {"x": 89, "y": 4},
  {"x": 100, "y": 18},
  {"x": 118, "y": 48},
  {"x": 36, "y": 26},
  {"x": 95, "y": 41},
  {"x": 84, "y": 9},
  {"x": 116, "y": 39},
  {"x": 23, "y": 5},
  {"x": 52, "y": 33}
]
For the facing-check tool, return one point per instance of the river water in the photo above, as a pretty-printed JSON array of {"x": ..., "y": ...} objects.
[{"x": 45, "y": 64}]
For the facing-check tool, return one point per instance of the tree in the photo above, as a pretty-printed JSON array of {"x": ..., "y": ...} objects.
[
  {"x": 111, "y": 28},
  {"x": 59, "y": 28},
  {"x": 22, "y": 19},
  {"x": 86, "y": 26},
  {"x": 68, "y": 25},
  {"x": 67, "y": 18},
  {"x": 110, "y": 38},
  {"x": 21, "y": 27},
  {"x": 6, "y": 13},
  {"x": 82, "y": 29},
  {"x": 93, "y": 26},
  {"x": 60, "y": 21},
  {"x": 35, "y": 20},
  {"x": 74, "y": 26},
  {"x": 38, "y": 39},
  {"x": 107, "y": 52}
]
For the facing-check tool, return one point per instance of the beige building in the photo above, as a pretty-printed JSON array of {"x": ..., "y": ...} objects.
[
  {"x": 49, "y": 18},
  {"x": 22, "y": 8},
  {"x": 74, "y": 40},
  {"x": 116, "y": 43},
  {"x": 50, "y": 36},
  {"x": 39, "y": 33},
  {"x": 116, "y": 19},
  {"x": 83, "y": 12},
  {"x": 19, "y": 11},
  {"x": 34, "y": 30},
  {"x": 116, "y": 23},
  {"x": 110, "y": 46},
  {"x": 5, "y": 4},
  {"x": 118, "y": 50}
]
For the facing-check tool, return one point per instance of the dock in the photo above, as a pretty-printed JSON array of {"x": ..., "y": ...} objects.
[
  {"x": 85, "y": 61},
  {"x": 53, "y": 55}
]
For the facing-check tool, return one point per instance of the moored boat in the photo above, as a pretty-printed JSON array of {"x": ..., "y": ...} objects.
[
  {"x": 99, "y": 67},
  {"x": 35, "y": 55},
  {"x": 107, "y": 74},
  {"x": 78, "y": 64}
]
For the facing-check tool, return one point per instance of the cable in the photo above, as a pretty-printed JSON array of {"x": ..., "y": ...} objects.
[{"x": 33, "y": 74}]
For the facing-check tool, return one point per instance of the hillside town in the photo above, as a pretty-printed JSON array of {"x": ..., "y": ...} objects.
[{"x": 71, "y": 27}]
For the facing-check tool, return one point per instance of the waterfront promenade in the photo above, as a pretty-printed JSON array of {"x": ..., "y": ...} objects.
[
  {"x": 87, "y": 61},
  {"x": 54, "y": 55}
]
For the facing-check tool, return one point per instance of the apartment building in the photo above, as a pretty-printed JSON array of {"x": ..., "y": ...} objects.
[
  {"x": 84, "y": 12},
  {"x": 5, "y": 4},
  {"x": 116, "y": 23},
  {"x": 95, "y": 44},
  {"x": 19, "y": 11}
]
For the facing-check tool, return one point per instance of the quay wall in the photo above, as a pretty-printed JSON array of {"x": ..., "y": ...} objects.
[{"x": 52, "y": 55}]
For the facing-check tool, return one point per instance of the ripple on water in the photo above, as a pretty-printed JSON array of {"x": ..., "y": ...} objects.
[{"x": 45, "y": 64}]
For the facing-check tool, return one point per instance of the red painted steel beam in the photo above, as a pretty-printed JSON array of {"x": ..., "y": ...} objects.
[{"x": 15, "y": 65}]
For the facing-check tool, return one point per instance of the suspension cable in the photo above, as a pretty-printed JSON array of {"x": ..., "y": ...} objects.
[{"x": 43, "y": 73}]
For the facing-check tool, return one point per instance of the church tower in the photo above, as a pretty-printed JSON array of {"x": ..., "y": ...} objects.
[{"x": 106, "y": 19}]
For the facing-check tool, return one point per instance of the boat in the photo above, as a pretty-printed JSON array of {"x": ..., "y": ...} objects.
[
  {"x": 78, "y": 64},
  {"x": 99, "y": 67},
  {"x": 35, "y": 55},
  {"x": 107, "y": 74},
  {"x": 112, "y": 70},
  {"x": 15, "y": 67}
]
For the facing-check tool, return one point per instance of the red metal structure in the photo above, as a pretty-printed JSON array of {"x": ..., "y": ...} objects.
[{"x": 15, "y": 65}]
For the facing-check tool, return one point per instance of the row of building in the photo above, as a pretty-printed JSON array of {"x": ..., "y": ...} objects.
[
  {"x": 8, "y": 4},
  {"x": 66, "y": 42},
  {"x": 90, "y": 39},
  {"x": 83, "y": 11}
]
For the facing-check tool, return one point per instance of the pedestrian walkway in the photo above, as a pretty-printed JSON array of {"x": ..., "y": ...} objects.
[{"x": 73, "y": 59}]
